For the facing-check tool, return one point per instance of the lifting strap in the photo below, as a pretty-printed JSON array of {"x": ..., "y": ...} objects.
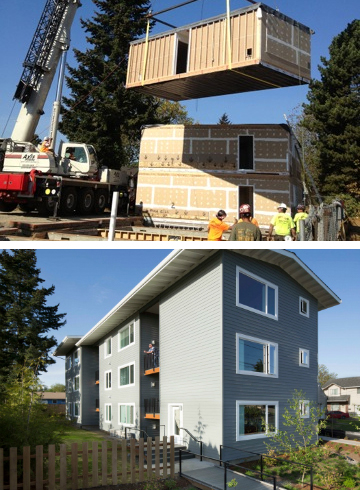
[{"x": 146, "y": 52}]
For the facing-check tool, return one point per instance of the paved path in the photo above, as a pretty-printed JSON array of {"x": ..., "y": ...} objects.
[{"x": 213, "y": 476}]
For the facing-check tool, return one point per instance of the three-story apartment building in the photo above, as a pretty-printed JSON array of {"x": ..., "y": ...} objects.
[{"x": 232, "y": 334}]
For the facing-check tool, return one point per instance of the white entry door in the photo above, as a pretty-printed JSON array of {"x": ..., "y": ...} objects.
[{"x": 176, "y": 422}]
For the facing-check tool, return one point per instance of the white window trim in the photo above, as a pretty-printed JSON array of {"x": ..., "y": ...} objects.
[
  {"x": 263, "y": 281},
  {"x": 105, "y": 373},
  {"x": 301, "y": 364},
  {"x": 256, "y": 436},
  {"x": 334, "y": 394},
  {"x": 124, "y": 366},
  {"x": 108, "y": 405},
  {"x": 74, "y": 385},
  {"x": 127, "y": 404},
  {"x": 130, "y": 343},
  {"x": 307, "y": 314},
  {"x": 306, "y": 403},
  {"x": 78, "y": 358},
  {"x": 105, "y": 347},
  {"x": 259, "y": 341}
]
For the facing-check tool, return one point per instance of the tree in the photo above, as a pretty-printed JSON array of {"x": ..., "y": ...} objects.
[
  {"x": 333, "y": 114},
  {"x": 100, "y": 110},
  {"x": 25, "y": 318},
  {"x": 324, "y": 375},
  {"x": 224, "y": 119},
  {"x": 56, "y": 388}
]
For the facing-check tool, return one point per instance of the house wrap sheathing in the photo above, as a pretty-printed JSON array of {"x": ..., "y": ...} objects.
[{"x": 190, "y": 172}]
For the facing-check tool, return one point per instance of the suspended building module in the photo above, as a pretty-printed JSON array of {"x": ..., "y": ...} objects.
[{"x": 253, "y": 48}]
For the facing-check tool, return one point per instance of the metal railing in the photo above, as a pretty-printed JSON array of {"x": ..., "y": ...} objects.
[
  {"x": 196, "y": 440},
  {"x": 151, "y": 360},
  {"x": 225, "y": 465},
  {"x": 262, "y": 456},
  {"x": 152, "y": 405},
  {"x": 135, "y": 428}
]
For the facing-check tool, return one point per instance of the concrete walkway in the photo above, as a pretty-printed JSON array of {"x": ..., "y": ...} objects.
[{"x": 212, "y": 476}]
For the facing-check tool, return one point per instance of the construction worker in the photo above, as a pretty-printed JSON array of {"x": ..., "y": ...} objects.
[
  {"x": 245, "y": 230},
  {"x": 217, "y": 226},
  {"x": 253, "y": 220},
  {"x": 300, "y": 214},
  {"x": 45, "y": 145},
  {"x": 283, "y": 225}
]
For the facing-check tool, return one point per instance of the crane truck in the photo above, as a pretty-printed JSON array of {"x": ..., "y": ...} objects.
[{"x": 70, "y": 180}]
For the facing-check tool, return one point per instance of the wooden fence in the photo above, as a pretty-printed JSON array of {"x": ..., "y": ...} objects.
[{"x": 114, "y": 462}]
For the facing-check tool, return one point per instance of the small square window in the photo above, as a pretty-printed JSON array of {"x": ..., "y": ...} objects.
[
  {"x": 108, "y": 347},
  {"x": 304, "y": 358},
  {"x": 304, "y": 409},
  {"x": 304, "y": 307}
]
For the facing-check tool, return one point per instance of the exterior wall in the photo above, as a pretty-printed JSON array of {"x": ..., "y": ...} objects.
[
  {"x": 262, "y": 42},
  {"x": 190, "y": 172},
  {"x": 89, "y": 388},
  {"x": 116, "y": 395},
  {"x": 191, "y": 354},
  {"x": 291, "y": 331}
]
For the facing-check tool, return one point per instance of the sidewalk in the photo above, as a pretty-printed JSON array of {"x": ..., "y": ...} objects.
[{"x": 341, "y": 441}]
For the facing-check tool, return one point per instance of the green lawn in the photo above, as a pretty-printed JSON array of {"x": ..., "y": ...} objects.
[
  {"x": 352, "y": 425},
  {"x": 74, "y": 434}
]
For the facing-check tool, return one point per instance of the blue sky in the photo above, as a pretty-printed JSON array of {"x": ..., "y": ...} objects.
[
  {"x": 326, "y": 17},
  {"x": 89, "y": 283}
]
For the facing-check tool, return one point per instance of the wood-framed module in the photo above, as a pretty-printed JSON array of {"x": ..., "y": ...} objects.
[{"x": 249, "y": 49}]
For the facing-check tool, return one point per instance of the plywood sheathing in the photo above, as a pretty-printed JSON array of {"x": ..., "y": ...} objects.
[
  {"x": 268, "y": 50},
  {"x": 189, "y": 172}
]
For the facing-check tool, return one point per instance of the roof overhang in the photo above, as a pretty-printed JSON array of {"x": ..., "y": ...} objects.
[
  {"x": 66, "y": 345},
  {"x": 180, "y": 262}
]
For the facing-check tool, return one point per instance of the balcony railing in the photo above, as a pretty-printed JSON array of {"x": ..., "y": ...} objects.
[
  {"x": 151, "y": 361},
  {"x": 152, "y": 408}
]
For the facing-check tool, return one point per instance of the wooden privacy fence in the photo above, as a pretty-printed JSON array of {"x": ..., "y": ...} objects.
[{"x": 114, "y": 462}]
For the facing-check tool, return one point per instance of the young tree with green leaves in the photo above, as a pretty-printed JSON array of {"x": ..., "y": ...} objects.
[
  {"x": 100, "y": 110},
  {"x": 333, "y": 114},
  {"x": 25, "y": 317}
]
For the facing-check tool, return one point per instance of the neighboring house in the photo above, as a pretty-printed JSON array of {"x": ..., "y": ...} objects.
[
  {"x": 190, "y": 172},
  {"x": 237, "y": 332},
  {"x": 81, "y": 380},
  {"x": 55, "y": 401},
  {"x": 343, "y": 394}
]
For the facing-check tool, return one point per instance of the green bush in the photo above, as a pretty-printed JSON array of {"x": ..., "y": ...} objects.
[{"x": 349, "y": 483}]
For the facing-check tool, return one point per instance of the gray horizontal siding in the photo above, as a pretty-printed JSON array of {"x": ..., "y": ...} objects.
[{"x": 291, "y": 331}]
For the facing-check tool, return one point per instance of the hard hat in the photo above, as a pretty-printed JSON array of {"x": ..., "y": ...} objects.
[
  {"x": 46, "y": 138},
  {"x": 300, "y": 206},
  {"x": 244, "y": 208},
  {"x": 282, "y": 205}
]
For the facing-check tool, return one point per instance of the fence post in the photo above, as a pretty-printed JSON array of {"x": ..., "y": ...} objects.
[
  {"x": 172, "y": 457},
  {"x": 180, "y": 462},
  {"x": 39, "y": 467},
  {"x": 51, "y": 467},
  {"x": 74, "y": 466},
  {"x": 261, "y": 465},
  {"x": 141, "y": 459},
  {"x": 85, "y": 465},
  {"x": 157, "y": 456},
  {"x": 114, "y": 462},
  {"x": 26, "y": 468},
  {"x": 13, "y": 468},
  {"x": 123, "y": 461},
  {"x": 220, "y": 454},
  {"x": 201, "y": 450},
  {"x": 2, "y": 468},
  {"x": 225, "y": 466},
  {"x": 149, "y": 457},
  {"x": 165, "y": 459},
  {"x": 63, "y": 467}
]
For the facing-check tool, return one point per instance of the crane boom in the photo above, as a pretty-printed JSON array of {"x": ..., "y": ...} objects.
[{"x": 51, "y": 39}]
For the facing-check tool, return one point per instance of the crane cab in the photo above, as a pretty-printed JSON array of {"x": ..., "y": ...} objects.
[{"x": 77, "y": 159}]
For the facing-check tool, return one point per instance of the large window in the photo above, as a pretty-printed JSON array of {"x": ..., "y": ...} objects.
[
  {"x": 126, "y": 336},
  {"x": 126, "y": 375},
  {"x": 126, "y": 414},
  {"x": 304, "y": 358},
  {"x": 107, "y": 346},
  {"x": 256, "y": 419},
  {"x": 255, "y": 294},
  {"x": 256, "y": 357},
  {"x": 108, "y": 412},
  {"x": 108, "y": 380}
]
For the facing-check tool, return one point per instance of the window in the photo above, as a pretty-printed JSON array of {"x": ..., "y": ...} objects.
[
  {"x": 76, "y": 409},
  {"x": 68, "y": 362},
  {"x": 126, "y": 414},
  {"x": 108, "y": 380},
  {"x": 256, "y": 294},
  {"x": 256, "y": 357},
  {"x": 358, "y": 391},
  {"x": 126, "y": 375},
  {"x": 76, "y": 357},
  {"x": 108, "y": 412},
  {"x": 69, "y": 386},
  {"x": 69, "y": 411},
  {"x": 256, "y": 419},
  {"x": 126, "y": 336},
  {"x": 304, "y": 358},
  {"x": 246, "y": 152},
  {"x": 76, "y": 383},
  {"x": 108, "y": 347},
  {"x": 305, "y": 409},
  {"x": 335, "y": 391},
  {"x": 304, "y": 307}
]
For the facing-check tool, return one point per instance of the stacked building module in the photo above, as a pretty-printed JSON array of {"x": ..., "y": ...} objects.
[
  {"x": 210, "y": 341},
  {"x": 189, "y": 173}
]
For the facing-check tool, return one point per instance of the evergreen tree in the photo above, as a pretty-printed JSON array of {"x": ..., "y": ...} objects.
[
  {"x": 100, "y": 110},
  {"x": 25, "y": 319},
  {"x": 333, "y": 113},
  {"x": 224, "y": 119}
]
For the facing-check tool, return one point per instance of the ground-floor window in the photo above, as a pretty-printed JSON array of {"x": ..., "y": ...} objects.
[
  {"x": 76, "y": 409},
  {"x": 256, "y": 419},
  {"x": 126, "y": 413},
  {"x": 107, "y": 412}
]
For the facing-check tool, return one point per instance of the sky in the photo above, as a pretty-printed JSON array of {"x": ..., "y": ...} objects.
[
  {"x": 90, "y": 282},
  {"x": 326, "y": 17}
]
